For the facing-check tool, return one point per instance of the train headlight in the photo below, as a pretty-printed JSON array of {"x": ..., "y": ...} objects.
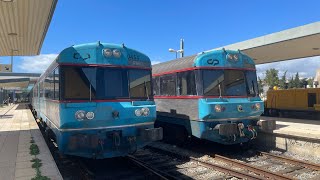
[
  {"x": 80, "y": 115},
  {"x": 138, "y": 112},
  {"x": 145, "y": 111},
  {"x": 217, "y": 108},
  {"x": 116, "y": 53},
  {"x": 90, "y": 115},
  {"x": 229, "y": 57},
  {"x": 107, "y": 52},
  {"x": 258, "y": 106},
  {"x": 235, "y": 57}
]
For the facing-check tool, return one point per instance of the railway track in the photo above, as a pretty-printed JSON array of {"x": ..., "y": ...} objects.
[
  {"x": 292, "y": 161},
  {"x": 183, "y": 167},
  {"x": 234, "y": 168}
]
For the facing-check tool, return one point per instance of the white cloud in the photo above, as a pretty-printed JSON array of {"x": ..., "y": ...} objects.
[
  {"x": 155, "y": 62},
  {"x": 306, "y": 67},
  {"x": 36, "y": 64}
]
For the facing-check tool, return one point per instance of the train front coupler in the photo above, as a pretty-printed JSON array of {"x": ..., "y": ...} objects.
[
  {"x": 266, "y": 125},
  {"x": 151, "y": 134}
]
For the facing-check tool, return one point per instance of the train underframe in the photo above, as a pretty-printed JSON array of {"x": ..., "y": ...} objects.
[
  {"x": 107, "y": 143},
  {"x": 224, "y": 132},
  {"x": 102, "y": 142}
]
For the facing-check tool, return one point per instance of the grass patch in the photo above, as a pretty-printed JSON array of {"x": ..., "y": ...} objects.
[
  {"x": 34, "y": 150},
  {"x": 36, "y": 163}
]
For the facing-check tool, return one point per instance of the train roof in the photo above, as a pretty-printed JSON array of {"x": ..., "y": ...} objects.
[
  {"x": 201, "y": 60},
  {"x": 180, "y": 63},
  {"x": 92, "y": 53}
]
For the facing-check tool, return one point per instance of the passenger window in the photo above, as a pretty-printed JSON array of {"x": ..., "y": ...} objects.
[
  {"x": 168, "y": 85},
  {"x": 186, "y": 83},
  {"x": 156, "y": 85},
  {"x": 56, "y": 84}
]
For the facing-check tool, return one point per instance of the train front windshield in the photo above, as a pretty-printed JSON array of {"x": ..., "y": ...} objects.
[
  {"x": 229, "y": 83},
  {"x": 99, "y": 83}
]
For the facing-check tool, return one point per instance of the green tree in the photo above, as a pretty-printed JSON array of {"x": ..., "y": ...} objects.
[
  {"x": 310, "y": 82},
  {"x": 297, "y": 83},
  {"x": 282, "y": 81},
  {"x": 291, "y": 83},
  {"x": 260, "y": 85},
  {"x": 303, "y": 82},
  {"x": 272, "y": 78}
]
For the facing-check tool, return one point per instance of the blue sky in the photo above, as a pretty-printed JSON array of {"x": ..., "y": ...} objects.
[{"x": 152, "y": 26}]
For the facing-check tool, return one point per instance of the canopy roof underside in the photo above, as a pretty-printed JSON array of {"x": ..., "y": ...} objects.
[{"x": 23, "y": 25}]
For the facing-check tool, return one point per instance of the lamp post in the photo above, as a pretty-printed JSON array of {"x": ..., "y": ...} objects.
[
  {"x": 176, "y": 51},
  {"x": 181, "y": 50},
  {"x": 12, "y": 52}
]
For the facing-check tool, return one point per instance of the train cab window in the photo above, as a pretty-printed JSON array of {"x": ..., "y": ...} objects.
[
  {"x": 140, "y": 83},
  {"x": 156, "y": 85},
  {"x": 76, "y": 83},
  {"x": 252, "y": 84},
  {"x": 224, "y": 82},
  {"x": 114, "y": 83},
  {"x": 234, "y": 83},
  {"x": 168, "y": 85},
  {"x": 94, "y": 83},
  {"x": 186, "y": 83},
  {"x": 211, "y": 81},
  {"x": 56, "y": 84}
]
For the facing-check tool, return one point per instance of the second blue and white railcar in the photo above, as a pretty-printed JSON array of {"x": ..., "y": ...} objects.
[{"x": 212, "y": 96}]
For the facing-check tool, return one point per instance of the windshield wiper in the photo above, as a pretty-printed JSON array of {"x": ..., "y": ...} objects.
[
  {"x": 220, "y": 96},
  {"x": 146, "y": 89},
  {"x": 90, "y": 93},
  {"x": 254, "y": 91}
]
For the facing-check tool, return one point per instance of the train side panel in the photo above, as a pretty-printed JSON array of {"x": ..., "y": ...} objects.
[{"x": 294, "y": 99}]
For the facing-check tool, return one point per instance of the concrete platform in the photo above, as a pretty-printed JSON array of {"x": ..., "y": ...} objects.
[
  {"x": 298, "y": 136},
  {"x": 17, "y": 127},
  {"x": 296, "y": 127}
]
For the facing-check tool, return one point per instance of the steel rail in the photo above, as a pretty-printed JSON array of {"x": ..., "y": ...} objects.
[
  {"x": 257, "y": 170},
  {"x": 227, "y": 170},
  {"x": 151, "y": 169},
  {"x": 293, "y": 161}
]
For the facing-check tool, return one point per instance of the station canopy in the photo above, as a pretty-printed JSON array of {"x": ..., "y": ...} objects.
[
  {"x": 17, "y": 80},
  {"x": 295, "y": 43},
  {"x": 23, "y": 27}
]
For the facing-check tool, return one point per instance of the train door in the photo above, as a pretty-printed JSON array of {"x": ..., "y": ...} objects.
[{"x": 312, "y": 99}]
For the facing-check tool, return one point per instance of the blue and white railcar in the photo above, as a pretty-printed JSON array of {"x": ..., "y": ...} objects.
[
  {"x": 96, "y": 100},
  {"x": 213, "y": 96}
]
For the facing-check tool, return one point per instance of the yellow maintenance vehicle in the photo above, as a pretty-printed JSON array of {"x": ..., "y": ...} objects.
[{"x": 289, "y": 100}]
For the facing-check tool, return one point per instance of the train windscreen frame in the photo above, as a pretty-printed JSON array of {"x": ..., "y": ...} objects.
[
  {"x": 101, "y": 83},
  {"x": 229, "y": 83}
]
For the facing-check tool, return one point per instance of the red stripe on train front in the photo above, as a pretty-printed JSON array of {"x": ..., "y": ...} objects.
[
  {"x": 196, "y": 97},
  {"x": 104, "y": 65},
  {"x": 106, "y": 100},
  {"x": 199, "y": 68}
]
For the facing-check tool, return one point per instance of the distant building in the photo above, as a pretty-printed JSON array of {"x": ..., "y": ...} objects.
[{"x": 317, "y": 78}]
